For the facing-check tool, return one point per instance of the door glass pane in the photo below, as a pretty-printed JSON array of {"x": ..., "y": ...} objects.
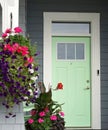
[
  {"x": 70, "y": 27},
  {"x": 61, "y": 51},
  {"x": 70, "y": 51},
  {"x": 80, "y": 51}
]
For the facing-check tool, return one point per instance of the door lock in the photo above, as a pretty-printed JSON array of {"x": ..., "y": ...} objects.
[{"x": 87, "y": 81}]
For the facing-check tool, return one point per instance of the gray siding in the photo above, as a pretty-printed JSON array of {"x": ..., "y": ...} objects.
[
  {"x": 104, "y": 67},
  {"x": 22, "y": 15},
  {"x": 35, "y": 9}
]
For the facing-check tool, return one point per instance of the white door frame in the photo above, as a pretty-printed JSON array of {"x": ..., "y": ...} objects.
[{"x": 94, "y": 19}]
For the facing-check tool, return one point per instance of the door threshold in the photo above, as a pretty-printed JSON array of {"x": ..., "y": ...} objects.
[{"x": 68, "y": 128}]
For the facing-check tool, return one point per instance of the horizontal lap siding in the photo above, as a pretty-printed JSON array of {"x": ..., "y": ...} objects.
[
  {"x": 104, "y": 68},
  {"x": 35, "y": 32},
  {"x": 22, "y": 15},
  {"x": 35, "y": 9}
]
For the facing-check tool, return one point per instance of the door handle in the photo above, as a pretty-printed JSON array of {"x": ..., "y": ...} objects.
[{"x": 87, "y": 88}]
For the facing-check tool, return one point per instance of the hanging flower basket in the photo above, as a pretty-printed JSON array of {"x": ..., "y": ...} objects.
[{"x": 18, "y": 69}]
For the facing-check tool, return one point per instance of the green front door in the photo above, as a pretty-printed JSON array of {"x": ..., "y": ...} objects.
[{"x": 71, "y": 66}]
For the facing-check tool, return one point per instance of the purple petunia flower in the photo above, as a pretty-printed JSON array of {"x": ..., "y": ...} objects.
[
  {"x": 1, "y": 94},
  {"x": 14, "y": 57},
  {"x": 25, "y": 58},
  {"x": 28, "y": 93},
  {"x": 20, "y": 68},
  {"x": 29, "y": 66},
  {"x": 4, "y": 94},
  {"x": 36, "y": 68}
]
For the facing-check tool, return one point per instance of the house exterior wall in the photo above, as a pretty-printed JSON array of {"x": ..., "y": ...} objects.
[{"x": 34, "y": 26}]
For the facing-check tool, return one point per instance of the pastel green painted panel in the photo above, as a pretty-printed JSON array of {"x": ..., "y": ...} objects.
[{"x": 71, "y": 66}]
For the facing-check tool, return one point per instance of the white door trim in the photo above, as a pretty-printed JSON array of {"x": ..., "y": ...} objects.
[{"x": 94, "y": 19}]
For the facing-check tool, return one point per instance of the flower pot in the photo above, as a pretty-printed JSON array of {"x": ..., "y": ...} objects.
[{"x": 59, "y": 124}]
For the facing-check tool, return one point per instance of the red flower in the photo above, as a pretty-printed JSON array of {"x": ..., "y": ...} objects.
[
  {"x": 8, "y": 47},
  {"x": 30, "y": 59},
  {"x": 33, "y": 112},
  {"x": 11, "y": 48},
  {"x": 59, "y": 86},
  {"x": 23, "y": 50},
  {"x": 17, "y": 30},
  {"x": 4, "y": 35},
  {"x": 9, "y": 30},
  {"x": 46, "y": 109}
]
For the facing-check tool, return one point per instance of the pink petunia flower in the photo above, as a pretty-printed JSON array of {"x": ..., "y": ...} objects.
[
  {"x": 40, "y": 120},
  {"x": 30, "y": 121},
  {"x": 17, "y": 30},
  {"x": 15, "y": 46},
  {"x": 53, "y": 117},
  {"x": 30, "y": 59},
  {"x": 4, "y": 35},
  {"x": 41, "y": 114},
  {"x": 61, "y": 114}
]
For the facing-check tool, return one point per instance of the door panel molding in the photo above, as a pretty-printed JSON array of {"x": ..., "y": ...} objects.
[{"x": 94, "y": 19}]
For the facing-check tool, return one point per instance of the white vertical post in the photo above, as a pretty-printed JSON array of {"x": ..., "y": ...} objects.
[{"x": 8, "y": 7}]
